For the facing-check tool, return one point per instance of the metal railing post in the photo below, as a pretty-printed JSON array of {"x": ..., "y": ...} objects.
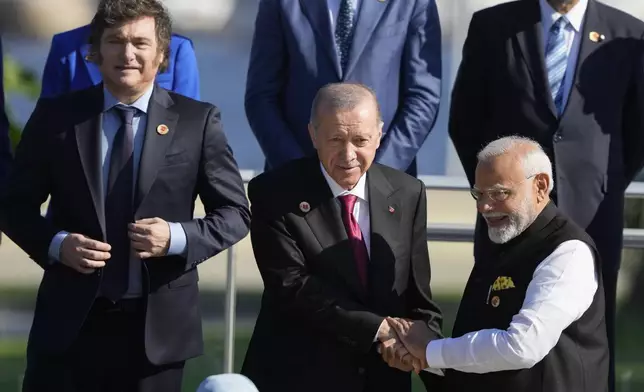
[{"x": 229, "y": 315}]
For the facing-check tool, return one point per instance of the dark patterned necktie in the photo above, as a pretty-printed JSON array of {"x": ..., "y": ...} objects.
[
  {"x": 354, "y": 233},
  {"x": 344, "y": 31},
  {"x": 118, "y": 207}
]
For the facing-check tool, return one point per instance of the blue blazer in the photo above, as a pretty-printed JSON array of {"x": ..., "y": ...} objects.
[
  {"x": 396, "y": 51},
  {"x": 5, "y": 144},
  {"x": 67, "y": 70}
]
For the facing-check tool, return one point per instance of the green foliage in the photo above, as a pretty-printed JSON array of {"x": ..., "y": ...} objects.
[{"x": 18, "y": 80}]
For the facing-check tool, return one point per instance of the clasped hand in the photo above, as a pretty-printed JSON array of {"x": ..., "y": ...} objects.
[{"x": 403, "y": 344}]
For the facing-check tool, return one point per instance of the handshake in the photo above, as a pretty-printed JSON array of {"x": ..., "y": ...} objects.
[{"x": 403, "y": 343}]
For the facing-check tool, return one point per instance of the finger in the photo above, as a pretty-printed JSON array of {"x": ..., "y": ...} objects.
[
  {"x": 147, "y": 221},
  {"x": 83, "y": 270},
  {"x": 396, "y": 325},
  {"x": 91, "y": 264},
  {"x": 141, "y": 229},
  {"x": 89, "y": 243},
  {"x": 94, "y": 254},
  {"x": 140, "y": 246},
  {"x": 137, "y": 236},
  {"x": 400, "y": 351},
  {"x": 144, "y": 255}
]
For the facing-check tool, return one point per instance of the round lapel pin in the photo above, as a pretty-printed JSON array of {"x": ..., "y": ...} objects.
[
  {"x": 391, "y": 209},
  {"x": 596, "y": 37},
  {"x": 305, "y": 207},
  {"x": 496, "y": 301},
  {"x": 163, "y": 129}
]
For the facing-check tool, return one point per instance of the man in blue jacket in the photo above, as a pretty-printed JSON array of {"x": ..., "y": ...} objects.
[
  {"x": 68, "y": 68},
  {"x": 394, "y": 47}
]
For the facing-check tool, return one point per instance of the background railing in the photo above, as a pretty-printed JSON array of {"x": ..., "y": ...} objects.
[{"x": 441, "y": 232}]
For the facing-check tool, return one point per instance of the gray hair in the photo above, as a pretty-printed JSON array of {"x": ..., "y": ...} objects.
[
  {"x": 341, "y": 97},
  {"x": 535, "y": 160}
]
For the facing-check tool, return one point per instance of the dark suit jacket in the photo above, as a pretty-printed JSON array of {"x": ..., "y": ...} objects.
[
  {"x": 5, "y": 143},
  {"x": 396, "y": 51},
  {"x": 59, "y": 156},
  {"x": 67, "y": 70},
  {"x": 316, "y": 326},
  {"x": 597, "y": 145}
]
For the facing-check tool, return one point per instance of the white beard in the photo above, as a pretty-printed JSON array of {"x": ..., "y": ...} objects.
[{"x": 516, "y": 224}]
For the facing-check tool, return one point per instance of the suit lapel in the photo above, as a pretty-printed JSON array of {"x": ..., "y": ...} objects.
[
  {"x": 531, "y": 42},
  {"x": 88, "y": 140},
  {"x": 325, "y": 221},
  {"x": 592, "y": 23},
  {"x": 317, "y": 13},
  {"x": 154, "y": 143},
  {"x": 369, "y": 16},
  {"x": 385, "y": 216},
  {"x": 92, "y": 69}
]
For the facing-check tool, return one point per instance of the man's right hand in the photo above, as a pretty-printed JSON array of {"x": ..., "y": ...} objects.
[{"x": 83, "y": 254}]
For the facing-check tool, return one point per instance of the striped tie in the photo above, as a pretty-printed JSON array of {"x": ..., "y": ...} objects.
[{"x": 557, "y": 61}]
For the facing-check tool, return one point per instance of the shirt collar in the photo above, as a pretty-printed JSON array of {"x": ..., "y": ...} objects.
[
  {"x": 360, "y": 190},
  {"x": 575, "y": 16},
  {"x": 109, "y": 101}
]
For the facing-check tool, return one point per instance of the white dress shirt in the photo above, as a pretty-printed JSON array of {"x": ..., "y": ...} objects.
[
  {"x": 361, "y": 209},
  {"x": 573, "y": 34},
  {"x": 334, "y": 9},
  {"x": 562, "y": 289}
]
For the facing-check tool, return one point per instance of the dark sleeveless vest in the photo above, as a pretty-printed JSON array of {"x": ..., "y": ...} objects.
[{"x": 494, "y": 294}]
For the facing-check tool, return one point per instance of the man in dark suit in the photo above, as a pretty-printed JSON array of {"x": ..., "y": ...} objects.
[
  {"x": 5, "y": 142},
  {"x": 394, "y": 47},
  {"x": 117, "y": 308},
  {"x": 569, "y": 74},
  {"x": 340, "y": 244}
]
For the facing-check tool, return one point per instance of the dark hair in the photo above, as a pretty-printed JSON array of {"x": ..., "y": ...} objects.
[
  {"x": 342, "y": 96},
  {"x": 112, "y": 13}
]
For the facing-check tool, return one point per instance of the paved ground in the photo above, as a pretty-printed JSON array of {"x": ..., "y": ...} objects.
[{"x": 451, "y": 262}]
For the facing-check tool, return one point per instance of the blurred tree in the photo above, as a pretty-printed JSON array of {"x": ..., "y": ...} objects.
[{"x": 18, "y": 80}]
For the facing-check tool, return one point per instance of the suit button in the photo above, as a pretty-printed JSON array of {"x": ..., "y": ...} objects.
[
  {"x": 557, "y": 137},
  {"x": 361, "y": 371}
]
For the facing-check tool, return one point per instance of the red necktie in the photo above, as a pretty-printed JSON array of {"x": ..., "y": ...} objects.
[{"x": 355, "y": 236}]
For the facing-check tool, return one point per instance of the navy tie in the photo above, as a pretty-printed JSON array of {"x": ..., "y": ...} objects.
[
  {"x": 119, "y": 207},
  {"x": 557, "y": 61},
  {"x": 344, "y": 31}
]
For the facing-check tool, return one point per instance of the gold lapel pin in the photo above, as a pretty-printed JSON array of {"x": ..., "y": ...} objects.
[
  {"x": 163, "y": 129},
  {"x": 596, "y": 37}
]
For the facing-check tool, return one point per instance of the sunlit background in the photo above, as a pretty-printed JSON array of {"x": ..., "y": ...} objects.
[{"x": 221, "y": 31}]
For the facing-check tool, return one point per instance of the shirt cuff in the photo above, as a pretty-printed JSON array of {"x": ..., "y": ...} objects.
[
  {"x": 178, "y": 241},
  {"x": 434, "y": 354},
  {"x": 55, "y": 244}
]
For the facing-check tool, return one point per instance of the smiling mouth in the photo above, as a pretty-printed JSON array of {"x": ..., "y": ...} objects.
[{"x": 496, "y": 220}]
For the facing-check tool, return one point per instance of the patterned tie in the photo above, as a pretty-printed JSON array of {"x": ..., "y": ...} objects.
[
  {"x": 358, "y": 246},
  {"x": 118, "y": 207},
  {"x": 344, "y": 31},
  {"x": 557, "y": 61}
]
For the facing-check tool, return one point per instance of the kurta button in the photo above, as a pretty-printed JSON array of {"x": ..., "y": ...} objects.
[{"x": 361, "y": 371}]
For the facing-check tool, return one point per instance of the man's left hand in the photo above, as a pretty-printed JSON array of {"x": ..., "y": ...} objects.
[{"x": 150, "y": 237}]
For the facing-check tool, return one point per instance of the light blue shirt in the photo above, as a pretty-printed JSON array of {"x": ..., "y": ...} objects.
[
  {"x": 572, "y": 34},
  {"x": 111, "y": 124}
]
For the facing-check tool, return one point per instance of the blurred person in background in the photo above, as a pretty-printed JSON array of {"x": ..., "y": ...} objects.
[
  {"x": 68, "y": 67},
  {"x": 569, "y": 74},
  {"x": 118, "y": 305},
  {"x": 5, "y": 142},
  {"x": 394, "y": 47}
]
